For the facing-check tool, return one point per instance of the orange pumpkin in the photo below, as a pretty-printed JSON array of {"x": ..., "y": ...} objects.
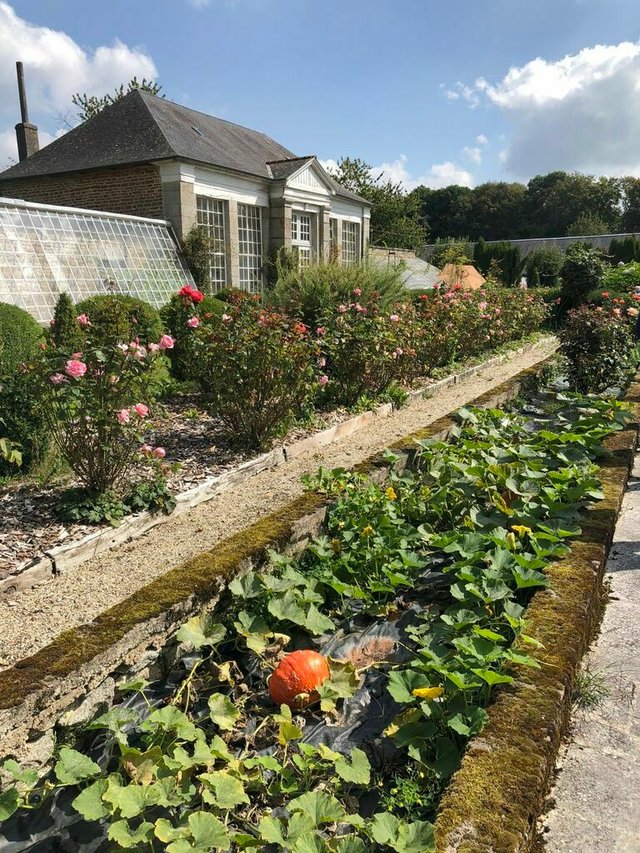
[{"x": 295, "y": 679}]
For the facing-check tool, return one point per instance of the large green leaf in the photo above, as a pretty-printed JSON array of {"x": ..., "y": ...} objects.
[
  {"x": 357, "y": 771},
  {"x": 228, "y": 791},
  {"x": 319, "y": 806},
  {"x": 222, "y": 711},
  {"x": 9, "y": 803},
  {"x": 201, "y": 631},
  {"x": 89, "y": 802},
  {"x": 128, "y": 838},
  {"x": 73, "y": 767},
  {"x": 208, "y": 832}
]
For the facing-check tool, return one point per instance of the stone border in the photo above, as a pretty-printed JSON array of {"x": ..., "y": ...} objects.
[
  {"x": 60, "y": 681},
  {"x": 64, "y": 558},
  {"x": 494, "y": 800}
]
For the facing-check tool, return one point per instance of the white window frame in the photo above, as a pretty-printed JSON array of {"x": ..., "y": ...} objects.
[
  {"x": 250, "y": 247},
  {"x": 211, "y": 214},
  {"x": 302, "y": 231},
  {"x": 350, "y": 242}
]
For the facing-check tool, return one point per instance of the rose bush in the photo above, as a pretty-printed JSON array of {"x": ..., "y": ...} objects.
[
  {"x": 599, "y": 347},
  {"x": 93, "y": 402},
  {"x": 257, "y": 369},
  {"x": 363, "y": 349}
]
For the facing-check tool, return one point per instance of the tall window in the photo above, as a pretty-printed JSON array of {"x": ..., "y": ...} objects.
[
  {"x": 350, "y": 243},
  {"x": 211, "y": 215},
  {"x": 250, "y": 247},
  {"x": 301, "y": 237}
]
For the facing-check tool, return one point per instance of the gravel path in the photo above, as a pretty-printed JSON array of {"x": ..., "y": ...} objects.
[{"x": 36, "y": 616}]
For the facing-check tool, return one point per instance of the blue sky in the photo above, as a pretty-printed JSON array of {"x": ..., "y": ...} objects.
[{"x": 439, "y": 92}]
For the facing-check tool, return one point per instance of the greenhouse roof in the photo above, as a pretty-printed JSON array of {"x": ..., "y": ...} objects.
[{"x": 45, "y": 250}]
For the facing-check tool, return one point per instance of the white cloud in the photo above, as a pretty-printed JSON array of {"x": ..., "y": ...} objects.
[
  {"x": 472, "y": 154},
  {"x": 481, "y": 139},
  {"x": 55, "y": 68},
  {"x": 397, "y": 171},
  {"x": 576, "y": 113},
  {"x": 464, "y": 92}
]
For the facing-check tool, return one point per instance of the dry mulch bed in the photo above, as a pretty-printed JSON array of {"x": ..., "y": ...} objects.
[{"x": 29, "y": 524}]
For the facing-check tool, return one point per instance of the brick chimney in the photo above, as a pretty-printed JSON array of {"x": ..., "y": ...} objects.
[{"x": 26, "y": 133}]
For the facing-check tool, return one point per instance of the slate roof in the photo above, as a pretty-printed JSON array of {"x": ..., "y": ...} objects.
[{"x": 142, "y": 128}]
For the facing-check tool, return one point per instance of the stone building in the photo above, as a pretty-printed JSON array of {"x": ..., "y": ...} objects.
[{"x": 150, "y": 157}]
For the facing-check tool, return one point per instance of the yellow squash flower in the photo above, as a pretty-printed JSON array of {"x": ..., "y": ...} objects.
[
  {"x": 391, "y": 494},
  {"x": 367, "y": 531},
  {"x": 429, "y": 693},
  {"x": 521, "y": 529}
]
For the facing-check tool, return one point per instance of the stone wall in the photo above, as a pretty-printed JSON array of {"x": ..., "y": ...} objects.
[{"x": 134, "y": 190}]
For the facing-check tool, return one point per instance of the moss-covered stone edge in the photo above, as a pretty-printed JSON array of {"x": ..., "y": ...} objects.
[
  {"x": 494, "y": 800},
  {"x": 201, "y": 577}
]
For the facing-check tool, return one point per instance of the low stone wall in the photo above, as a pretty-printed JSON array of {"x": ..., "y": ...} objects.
[{"x": 76, "y": 675}]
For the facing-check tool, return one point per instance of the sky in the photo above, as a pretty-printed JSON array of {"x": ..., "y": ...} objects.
[{"x": 428, "y": 92}]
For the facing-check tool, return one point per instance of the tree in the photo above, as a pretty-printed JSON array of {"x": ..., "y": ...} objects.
[
  {"x": 630, "y": 200},
  {"x": 587, "y": 224},
  {"x": 90, "y": 105},
  {"x": 495, "y": 211},
  {"x": 395, "y": 217},
  {"x": 445, "y": 211}
]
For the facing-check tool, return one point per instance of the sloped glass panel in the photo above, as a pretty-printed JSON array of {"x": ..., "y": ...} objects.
[{"x": 46, "y": 250}]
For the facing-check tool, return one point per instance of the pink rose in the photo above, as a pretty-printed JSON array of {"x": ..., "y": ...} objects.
[
  {"x": 75, "y": 368},
  {"x": 166, "y": 342},
  {"x": 357, "y": 291},
  {"x": 320, "y": 331},
  {"x": 123, "y": 347},
  {"x": 58, "y": 378},
  {"x": 482, "y": 306},
  {"x": 123, "y": 416},
  {"x": 394, "y": 318},
  {"x": 322, "y": 361},
  {"x": 323, "y": 380},
  {"x": 193, "y": 323},
  {"x": 159, "y": 452},
  {"x": 141, "y": 410},
  {"x": 226, "y": 318},
  {"x": 342, "y": 309},
  {"x": 632, "y": 312},
  {"x": 83, "y": 320},
  {"x": 154, "y": 347},
  {"x": 146, "y": 449},
  {"x": 358, "y": 308}
]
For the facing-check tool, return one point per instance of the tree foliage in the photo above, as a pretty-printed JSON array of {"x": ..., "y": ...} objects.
[
  {"x": 90, "y": 105},
  {"x": 396, "y": 217},
  {"x": 554, "y": 205}
]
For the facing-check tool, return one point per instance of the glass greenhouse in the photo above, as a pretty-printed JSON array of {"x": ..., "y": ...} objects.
[{"x": 45, "y": 250}]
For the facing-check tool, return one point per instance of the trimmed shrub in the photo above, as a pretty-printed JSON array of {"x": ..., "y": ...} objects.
[
  {"x": 65, "y": 331},
  {"x": 19, "y": 338},
  {"x": 599, "y": 348},
  {"x": 314, "y": 292},
  {"x": 176, "y": 316},
  {"x": 545, "y": 263},
  {"x": 502, "y": 255},
  {"x": 583, "y": 271},
  {"x": 624, "y": 251},
  {"x": 257, "y": 369},
  {"x": 118, "y": 317}
]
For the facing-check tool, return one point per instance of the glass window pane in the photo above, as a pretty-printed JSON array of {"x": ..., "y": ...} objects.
[
  {"x": 211, "y": 215},
  {"x": 250, "y": 247}
]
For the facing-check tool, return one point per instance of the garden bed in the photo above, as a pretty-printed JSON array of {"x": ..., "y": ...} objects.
[
  {"x": 478, "y": 830},
  {"x": 34, "y": 543}
]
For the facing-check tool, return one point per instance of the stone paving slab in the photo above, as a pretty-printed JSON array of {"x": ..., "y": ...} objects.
[{"x": 596, "y": 799}]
